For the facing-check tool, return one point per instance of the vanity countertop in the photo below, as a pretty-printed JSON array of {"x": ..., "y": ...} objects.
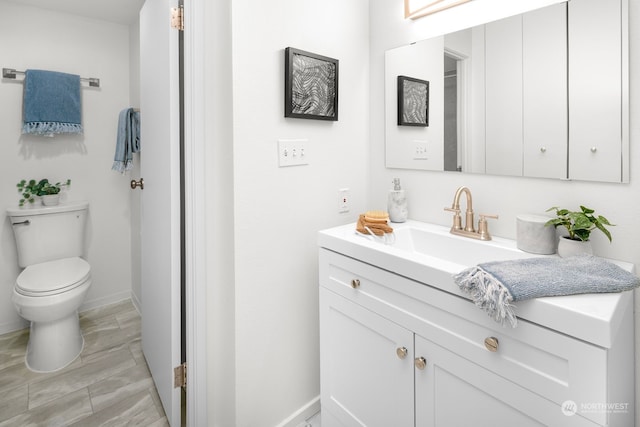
[{"x": 591, "y": 317}]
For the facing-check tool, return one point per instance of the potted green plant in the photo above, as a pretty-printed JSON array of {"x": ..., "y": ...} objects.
[
  {"x": 49, "y": 192},
  {"x": 579, "y": 225}
]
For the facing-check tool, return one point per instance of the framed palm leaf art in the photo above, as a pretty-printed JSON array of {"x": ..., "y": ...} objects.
[
  {"x": 413, "y": 102},
  {"x": 311, "y": 85}
]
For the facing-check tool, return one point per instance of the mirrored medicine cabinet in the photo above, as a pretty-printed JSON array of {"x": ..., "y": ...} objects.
[{"x": 541, "y": 94}]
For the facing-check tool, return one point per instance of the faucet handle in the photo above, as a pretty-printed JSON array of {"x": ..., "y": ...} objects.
[
  {"x": 484, "y": 216},
  {"x": 457, "y": 219},
  {"x": 483, "y": 227}
]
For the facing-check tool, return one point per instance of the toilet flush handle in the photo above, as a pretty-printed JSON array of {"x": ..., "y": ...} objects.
[
  {"x": 25, "y": 222},
  {"x": 135, "y": 184}
]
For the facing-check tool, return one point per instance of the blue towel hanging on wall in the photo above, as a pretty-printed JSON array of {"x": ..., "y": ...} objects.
[{"x": 51, "y": 103}]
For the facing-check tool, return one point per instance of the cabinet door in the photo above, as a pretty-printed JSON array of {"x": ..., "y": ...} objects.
[
  {"x": 595, "y": 70},
  {"x": 453, "y": 391},
  {"x": 364, "y": 382},
  {"x": 503, "y": 79},
  {"x": 544, "y": 33}
]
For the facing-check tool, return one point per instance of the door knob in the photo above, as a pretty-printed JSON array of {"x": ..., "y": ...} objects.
[{"x": 135, "y": 184}]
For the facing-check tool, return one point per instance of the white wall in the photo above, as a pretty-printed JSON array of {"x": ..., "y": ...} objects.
[
  {"x": 35, "y": 38},
  {"x": 429, "y": 192},
  {"x": 220, "y": 247},
  {"x": 271, "y": 360}
]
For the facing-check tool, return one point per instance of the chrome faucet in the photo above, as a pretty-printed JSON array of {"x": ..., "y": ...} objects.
[{"x": 468, "y": 231}]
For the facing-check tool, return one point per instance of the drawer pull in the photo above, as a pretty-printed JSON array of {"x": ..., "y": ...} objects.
[
  {"x": 355, "y": 283},
  {"x": 491, "y": 343},
  {"x": 402, "y": 352},
  {"x": 421, "y": 363}
]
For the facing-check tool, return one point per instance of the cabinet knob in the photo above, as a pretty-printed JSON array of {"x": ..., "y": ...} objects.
[
  {"x": 355, "y": 283},
  {"x": 491, "y": 343},
  {"x": 421, "y": 363},
  {"x": 594, "y": 149},
  {"x": 402, "y": 352},
  {"x": 543, "y": 149}
]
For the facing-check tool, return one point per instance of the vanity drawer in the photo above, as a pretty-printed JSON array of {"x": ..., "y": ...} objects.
[{"x": 546, "y": 362}]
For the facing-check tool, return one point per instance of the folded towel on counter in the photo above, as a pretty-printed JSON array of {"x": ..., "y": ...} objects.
[
  {"x": 51, "y": 103},
  {"x": 377, "y": 226},
  {"x": 494, "y": 286},
  {"x": 127, "y": 141}
]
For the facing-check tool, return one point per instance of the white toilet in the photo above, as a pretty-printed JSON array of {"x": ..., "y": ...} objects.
[{"x": 54, "y": 282}]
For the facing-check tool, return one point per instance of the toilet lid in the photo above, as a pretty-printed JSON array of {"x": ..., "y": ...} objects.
[{"x": 46, "y": 277}]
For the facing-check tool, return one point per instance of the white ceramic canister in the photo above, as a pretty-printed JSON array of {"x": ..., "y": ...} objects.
[{"x": 533, "y": 236}]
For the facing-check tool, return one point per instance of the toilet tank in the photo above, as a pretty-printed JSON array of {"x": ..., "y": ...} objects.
[{"x": 49, "y": 233}]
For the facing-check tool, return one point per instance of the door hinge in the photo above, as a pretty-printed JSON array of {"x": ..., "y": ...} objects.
[
  {"x": 180, "y": 376},
  {"x": 177, "y": 18}
]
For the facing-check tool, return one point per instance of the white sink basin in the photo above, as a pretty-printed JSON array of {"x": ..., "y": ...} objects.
[{"x": 441, "y": 244}]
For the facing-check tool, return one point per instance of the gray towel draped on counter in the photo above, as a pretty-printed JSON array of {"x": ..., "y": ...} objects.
[{"x": 494, "y": 286}]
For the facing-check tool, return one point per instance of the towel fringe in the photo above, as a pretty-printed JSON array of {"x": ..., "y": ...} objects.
[
  {"x": 49, "y": 128},
  {"x": 122, "y": 167},
  {"x": 488, "y": 293}
]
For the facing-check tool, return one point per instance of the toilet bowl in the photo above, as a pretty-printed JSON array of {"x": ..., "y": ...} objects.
[
  {"x": 49, "y": 295},
  {"x": 54, "y": 282}
]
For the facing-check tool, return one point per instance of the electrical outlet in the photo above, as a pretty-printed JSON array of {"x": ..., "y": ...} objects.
[
  {"x": 420, "y": 152},
  {"x": 293, "y": 152},
  {"x": 344, "y": 200}
]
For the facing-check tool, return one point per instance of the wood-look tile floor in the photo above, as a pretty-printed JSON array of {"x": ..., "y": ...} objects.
[{"x": 108, "y": 384}]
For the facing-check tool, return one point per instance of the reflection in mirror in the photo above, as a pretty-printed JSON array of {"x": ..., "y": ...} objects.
[
  {"x": 514, "y": 102},
  {"x": 451, "y": 159}
]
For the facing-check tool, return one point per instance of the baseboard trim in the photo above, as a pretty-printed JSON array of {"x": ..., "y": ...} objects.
[
  {"x": 17, "y": 325},
  {"x": 99, "y": 302},
  {"x": 136, "y": 303},
  {"x": 305, "y": 412}
]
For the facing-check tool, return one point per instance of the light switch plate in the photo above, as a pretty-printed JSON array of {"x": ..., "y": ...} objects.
[
  {"x": 293, "y": 152},
  {"x": 420, "y": 150}
]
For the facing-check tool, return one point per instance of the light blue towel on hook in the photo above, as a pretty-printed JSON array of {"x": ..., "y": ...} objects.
[
  {"x": 128, "y": 140},
  {"x": 494, "y": 286},
  {"x": 51, "y": 103}
]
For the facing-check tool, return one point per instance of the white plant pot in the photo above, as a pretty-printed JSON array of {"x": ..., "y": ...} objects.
[
  {"x": 51, "y": 199},
  {"x": 568, "y": 247}
]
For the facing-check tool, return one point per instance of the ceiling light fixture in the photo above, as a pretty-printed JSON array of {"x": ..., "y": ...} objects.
[{"x": 418, "y": 8}]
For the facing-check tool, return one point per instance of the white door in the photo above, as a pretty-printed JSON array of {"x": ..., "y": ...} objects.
[{"x": 160, "y": 199}]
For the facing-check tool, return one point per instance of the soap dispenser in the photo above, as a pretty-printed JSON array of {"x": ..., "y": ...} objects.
[{"x": 397, "y": 203}]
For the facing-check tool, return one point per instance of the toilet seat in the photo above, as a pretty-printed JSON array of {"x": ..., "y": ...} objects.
[{"x": 53, "y": 277}]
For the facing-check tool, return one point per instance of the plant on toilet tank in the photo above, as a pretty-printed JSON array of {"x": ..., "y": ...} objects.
[{"x": 48, "y": 191}]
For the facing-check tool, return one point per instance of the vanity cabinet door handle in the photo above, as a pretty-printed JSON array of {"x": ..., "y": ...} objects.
[
  {"x": 491, "y": 343},
  {"x": 402, "y": 352},
  {"x": 421, "y": 363},
  {"x": 355, "y": 283}
]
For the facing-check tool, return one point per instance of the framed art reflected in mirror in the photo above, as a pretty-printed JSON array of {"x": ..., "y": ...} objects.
[{"x": 413, "y": 102}]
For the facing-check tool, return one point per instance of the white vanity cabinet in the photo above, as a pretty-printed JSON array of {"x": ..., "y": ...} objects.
[{"x": 398, "y": 352}]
